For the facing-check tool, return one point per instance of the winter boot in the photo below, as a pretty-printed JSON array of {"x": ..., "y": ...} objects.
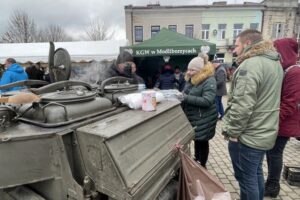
[{"x": 271, "y": 189}]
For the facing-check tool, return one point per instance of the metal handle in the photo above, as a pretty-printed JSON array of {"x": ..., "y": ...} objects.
[
  {"x": 117, "y": 79},
  {"x": 57, "y": 104},
  {"x": 23, "y": 83},
  {"x": 60, "y": 85}
]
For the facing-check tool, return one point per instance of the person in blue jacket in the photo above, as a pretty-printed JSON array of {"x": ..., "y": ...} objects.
[{"x": 13, "y": 73}]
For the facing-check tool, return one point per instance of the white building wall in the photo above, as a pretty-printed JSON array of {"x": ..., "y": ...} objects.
[{"x": 163, "y": 19}]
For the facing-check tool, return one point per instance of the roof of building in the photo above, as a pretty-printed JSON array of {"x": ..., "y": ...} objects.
[
  {"x": 221, "y": 4},
  {"x": 86, "y": 51}
]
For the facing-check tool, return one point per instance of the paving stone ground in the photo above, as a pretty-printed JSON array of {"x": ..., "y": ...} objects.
[{"x": 219, "y": 164}]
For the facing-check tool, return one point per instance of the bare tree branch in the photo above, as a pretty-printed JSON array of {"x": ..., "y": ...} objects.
[
  {"x": 21, "y": 28},
  {"x": 53, "y": 33},
  {"x": 98, "y": 30},
  {"x": 41, "y": 36}
]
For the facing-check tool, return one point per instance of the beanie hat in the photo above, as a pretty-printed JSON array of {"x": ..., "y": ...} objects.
[
  {"x": 123, "y": 57},
  {"x": 196, "y": 63},
  {"x": 204, "y": 56}
]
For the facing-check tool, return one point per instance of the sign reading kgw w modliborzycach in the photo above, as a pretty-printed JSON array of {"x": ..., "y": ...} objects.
[{"x": 163, "y": 51}]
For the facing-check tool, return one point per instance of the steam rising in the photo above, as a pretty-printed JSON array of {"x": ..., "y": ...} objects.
[{"x": 91, "y": 73}]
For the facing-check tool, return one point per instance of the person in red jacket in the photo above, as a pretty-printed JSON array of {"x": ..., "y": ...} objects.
[{"x": 289, "y": 124}]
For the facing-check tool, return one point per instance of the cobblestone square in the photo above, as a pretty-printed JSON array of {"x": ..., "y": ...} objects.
[{"x": 219, "y": 164}]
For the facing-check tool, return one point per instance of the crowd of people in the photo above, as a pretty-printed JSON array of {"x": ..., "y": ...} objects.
[{"x": 263, "y": 108}]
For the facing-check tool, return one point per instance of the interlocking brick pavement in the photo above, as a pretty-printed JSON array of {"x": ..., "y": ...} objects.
[{"x": 219, "y": 164}]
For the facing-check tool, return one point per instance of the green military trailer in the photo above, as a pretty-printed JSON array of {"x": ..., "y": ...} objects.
[{"x": 78, "y": 143}]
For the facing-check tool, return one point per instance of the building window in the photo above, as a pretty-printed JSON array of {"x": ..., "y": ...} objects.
[
  {"x": 237, "y": 29},
  {"x": 173, "y": 28},
  {"x": 221, "y": 31},
  {"x": 205, "y": 31},
  {"x": 189, "y": 30},
  {"x": 138, "y": 33},
  {"x": 277, "y": 31},
  {"x": 154, "y": 30},
  {"x": 254, "y": 26}
]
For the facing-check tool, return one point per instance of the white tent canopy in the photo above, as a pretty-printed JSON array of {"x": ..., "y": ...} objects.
[{"x": 79, "y": 51}]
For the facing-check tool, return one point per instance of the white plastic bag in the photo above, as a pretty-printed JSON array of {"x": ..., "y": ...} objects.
[
  {"x": 171, "y": 95},
  {"x": 134, "y": 100}
]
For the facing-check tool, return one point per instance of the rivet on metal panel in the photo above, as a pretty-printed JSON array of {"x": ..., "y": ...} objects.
[{"x": 75, "y": 142}]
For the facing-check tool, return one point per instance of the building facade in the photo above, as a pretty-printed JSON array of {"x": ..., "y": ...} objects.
[
  {"x": 221, "y": 26},
  {"x": 218, "y": 23},
  {"x": 281, "y": 19}
]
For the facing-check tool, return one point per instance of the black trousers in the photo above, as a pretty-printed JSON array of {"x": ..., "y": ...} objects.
[
  {"x": 275, "y": 160},
  {"x": 201, "y": 151}
]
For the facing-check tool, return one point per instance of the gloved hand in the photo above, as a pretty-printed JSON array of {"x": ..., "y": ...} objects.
[{"x": 181, "y": 96}]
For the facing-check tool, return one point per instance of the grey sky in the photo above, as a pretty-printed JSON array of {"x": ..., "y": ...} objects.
[{"x": 73, "y": 15}]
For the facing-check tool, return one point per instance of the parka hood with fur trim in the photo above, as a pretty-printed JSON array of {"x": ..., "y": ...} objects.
[{"x": 263, "y": 48}]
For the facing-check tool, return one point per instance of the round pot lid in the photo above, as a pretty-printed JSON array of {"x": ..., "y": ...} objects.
[
  {"x": 68, "y": 96},
  {"x": 120, "y": 87}
]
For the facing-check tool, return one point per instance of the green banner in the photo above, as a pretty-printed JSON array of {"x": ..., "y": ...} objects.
[{"x": 166, "y": 51}]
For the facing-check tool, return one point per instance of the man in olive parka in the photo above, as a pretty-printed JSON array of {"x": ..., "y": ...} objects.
[{"x": 252, "y": 115}]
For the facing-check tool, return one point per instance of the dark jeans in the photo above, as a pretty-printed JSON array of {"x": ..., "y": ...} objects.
[
  {"x": 219, "y": 105},
  {"x": 201, "y": 152},
  {"x": 274, "y": 160},
  {"x": 247, "y": 166}
]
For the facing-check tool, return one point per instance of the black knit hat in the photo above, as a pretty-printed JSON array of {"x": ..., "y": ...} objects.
[{"x": 123, "y": 57}]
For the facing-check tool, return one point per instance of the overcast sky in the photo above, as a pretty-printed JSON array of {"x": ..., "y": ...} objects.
[{"x": 73, "y": 15}]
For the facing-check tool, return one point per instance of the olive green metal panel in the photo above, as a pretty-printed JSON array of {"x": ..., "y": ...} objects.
[
  {"x": 132, "y": 151},
  {"x": 100, "y": 166},
  {"x": 5, "y": 196},
  {"x": 141, "y": 148},
  {"x": 63, "y": 186},
  {"x": 26, "y": 161},
  {"x": 23, "y": 193}
]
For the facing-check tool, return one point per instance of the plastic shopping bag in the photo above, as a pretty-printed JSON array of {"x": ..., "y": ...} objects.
[
  {"x": 196, "y": 183},
  {"x": 135, "y": 100}
]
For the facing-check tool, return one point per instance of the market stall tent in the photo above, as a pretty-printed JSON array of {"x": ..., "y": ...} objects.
[
  {"x": 89, "y": 58},
  {"x": 85, "y": 51},
  {"x": 170, "y": 43},
  {"x": 166, "y": 47}
]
